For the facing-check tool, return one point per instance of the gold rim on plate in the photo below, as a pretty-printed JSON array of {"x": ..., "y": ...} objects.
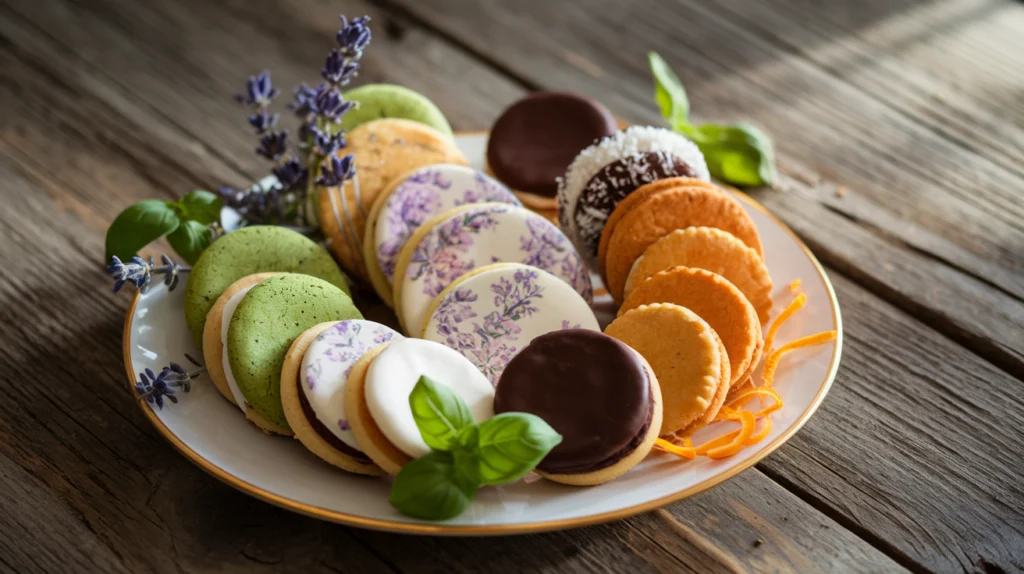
[{"x": 502, "y": 529}]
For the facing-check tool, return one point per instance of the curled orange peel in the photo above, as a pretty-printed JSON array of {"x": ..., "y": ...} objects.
[{"x": 784, "y": 316}]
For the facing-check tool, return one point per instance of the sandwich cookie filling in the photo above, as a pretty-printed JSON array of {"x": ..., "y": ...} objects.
[
  {"x": 324, "y": 372},
  {"x": 592, "y": 389},
  {"x": 392, "y": 376},
  {"x": 229, "y": 311}
]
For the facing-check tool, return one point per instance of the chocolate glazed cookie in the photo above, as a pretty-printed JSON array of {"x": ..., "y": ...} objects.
[
  {"x": 536, "y": 138},
  {"x": 595, "y": 391}
]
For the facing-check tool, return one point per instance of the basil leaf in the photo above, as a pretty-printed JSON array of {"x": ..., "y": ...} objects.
[
  {"x": 439, "y": 413},
  {"x": 139, "y": 225},
  {"x": 511, "y": 444},
  {"x": 669, "y": 93},
  {"x": 433, "y": 487},
  {"x": 201, "y": 206},
  {"x": 740, "y": 154},
  {"x": 190, "y": 239}
]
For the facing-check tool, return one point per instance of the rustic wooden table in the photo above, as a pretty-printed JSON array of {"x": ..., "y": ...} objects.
[{"x": 900, "y": 130}]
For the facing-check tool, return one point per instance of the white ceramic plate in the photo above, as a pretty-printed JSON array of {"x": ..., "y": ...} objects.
[{"x": 211, "y": 433}]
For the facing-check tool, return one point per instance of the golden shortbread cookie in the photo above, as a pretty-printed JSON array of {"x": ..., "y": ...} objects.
[
  {"x": 665, "y": 212},
  {"x": 623, "y": 466},
  {"x": 716, "y": 402},
  {"x": 304, "y": 431},
  {"x": 632, "y": 200},
  {"x": 712, "y": 249},
  {"x": 683, "y": 353},
  {"x": 376, "y": 446},
  {"x": 714, "y": 299},
  {"x": 384, "y": 149},
  {"x": 213, "y": 349}
]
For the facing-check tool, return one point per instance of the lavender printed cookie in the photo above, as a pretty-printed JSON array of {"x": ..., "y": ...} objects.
[
  {"x": 473, "y": 236},
  {"x": 492, "y": 313},
  {"x": 326, "y": 366},
  {"x": 413, "y": 200}
]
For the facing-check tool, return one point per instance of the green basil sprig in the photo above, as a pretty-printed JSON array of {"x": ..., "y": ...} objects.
[
  {"x": 739, "y": 153},
  {"x": 465, "y": 455},
  {"x": 185, "y": 222}
]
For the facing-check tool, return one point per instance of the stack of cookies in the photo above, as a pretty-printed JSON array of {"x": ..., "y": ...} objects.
[{"x": 681, "y": 257}]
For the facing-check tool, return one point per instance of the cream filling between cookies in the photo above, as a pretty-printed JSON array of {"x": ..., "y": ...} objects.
[{"x": 229, "y": 311}]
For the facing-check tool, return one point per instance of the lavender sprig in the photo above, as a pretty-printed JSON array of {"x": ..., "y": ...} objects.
[
  {"x": 140, "y": 272},
  {"x": 154, "y": 388}
]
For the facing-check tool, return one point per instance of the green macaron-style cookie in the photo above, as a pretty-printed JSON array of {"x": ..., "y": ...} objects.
[
  {"x": 270, "y": 316},
  {"x": 256, "y": 249},
  {"x": 378, "y": 101}
]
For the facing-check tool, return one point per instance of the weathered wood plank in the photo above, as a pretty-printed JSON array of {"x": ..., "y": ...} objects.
[
  {"x": 92, "y": 447},
  {"x": 944, "y": 206}
]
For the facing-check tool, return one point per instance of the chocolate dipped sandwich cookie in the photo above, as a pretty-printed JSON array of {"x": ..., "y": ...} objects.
[
  {"x": 597, "y": 392},
  {"x": 534, "y": 140},
  {"x": 313, "y": 380},
  {"x": 605, "y": 173}
]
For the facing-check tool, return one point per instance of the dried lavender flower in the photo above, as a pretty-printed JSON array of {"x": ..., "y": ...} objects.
[
  {"x": 354, "y": 37},
  {"x": 273, "y": 145},
  {"x": 140, "y": 272},
  {"x": 263, "y": 121},
  {"x": 154, "y": 388},
  {"x": 334, "y": 171},
  {"x": 259, "y": 91}
]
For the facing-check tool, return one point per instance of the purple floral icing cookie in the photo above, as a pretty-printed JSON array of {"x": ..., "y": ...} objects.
[
  {"x": 425, "y": 193},
  {"x": 326, "y": 366},
  {"x": 491, "y": 315},
  {"x": 480, "y": 235}
]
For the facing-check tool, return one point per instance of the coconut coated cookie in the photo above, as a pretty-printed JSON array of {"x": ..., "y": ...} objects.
[
  {"x": 266, "y": 322},
  {"x": 608, "y": 171},
  {"x": 492, "y": 313},
  {"x": 597, "y": 392},
  {"x": 413, "y": 199},
  {"x": 469, "y": 237},
  {"x": 255, "y": 249}
]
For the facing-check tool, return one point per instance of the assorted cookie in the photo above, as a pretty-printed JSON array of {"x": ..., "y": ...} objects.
[
  {"x": 611, "y": 169},
  {"x": 411, "y": 200},
  {"x": 494, "y": 298},
  {"x": 383, "y": 149},
  {"x": 534, "y": 140},
  {"x": 468, "y": 237},
  {"x": 599, "y": 394},
  {"x": 491, "y": 313}
]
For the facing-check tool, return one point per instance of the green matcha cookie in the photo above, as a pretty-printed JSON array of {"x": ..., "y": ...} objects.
[
  {"x": 249, "y": 250},
  {"x": 270, "y": 316},
  {"x": 378, "y": 101}
]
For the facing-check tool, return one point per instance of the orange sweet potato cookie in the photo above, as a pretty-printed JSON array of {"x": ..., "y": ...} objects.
[
  {"x": 665, "y": 212},
  {"x": 684, "y": 354},
  {"x": 634, "y": 199},
  {"x": 384, "y": 149},
  {"x": 712, "y": 249},
  {"x": 714, "y": 299}
]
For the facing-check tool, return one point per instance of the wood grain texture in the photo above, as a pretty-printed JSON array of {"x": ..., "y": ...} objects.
[
  {"x": 944, "y": 210},
  {"x": 109, "y": 102}
]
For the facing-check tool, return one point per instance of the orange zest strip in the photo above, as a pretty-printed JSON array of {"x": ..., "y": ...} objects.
[
  {"x": 716, "y": 442},
  {"x": 772, "y": 362},
  {"x": 759, "y": 436},
  {"x": 794, "y": 285},
  {"x": 738, "y": 442},
  {"x": 743, "y": 397},
  {"x": 784, "y": 316},
  {"x": 686, "y": 452}
]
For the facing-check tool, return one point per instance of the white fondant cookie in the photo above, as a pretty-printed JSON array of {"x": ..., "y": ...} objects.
[
  {"x": 423, "y": 194},
  {"x": 393, "y": 374},
  {"x": 603, "y": 174},
  {"x": 492, "y": 314},
  {"x": 229, "y": 311},
  {"x": 326, "y": 365},
  {"x": 475, "y": 236}
]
